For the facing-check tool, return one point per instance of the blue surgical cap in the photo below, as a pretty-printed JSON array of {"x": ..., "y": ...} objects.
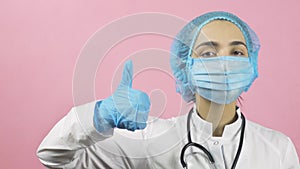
[{"x": 184, "y": 41}]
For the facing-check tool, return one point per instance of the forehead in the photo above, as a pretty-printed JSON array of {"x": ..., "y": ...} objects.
[{"x": 220, "y": 31}]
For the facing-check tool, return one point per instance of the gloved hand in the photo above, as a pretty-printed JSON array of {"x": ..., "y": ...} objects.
[{"x": 125, "y": 109}]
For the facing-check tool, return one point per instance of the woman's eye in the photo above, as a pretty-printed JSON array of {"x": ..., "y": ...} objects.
[
  {"x": 208, "y": 54},
  {"x": 238, "y": 53}
]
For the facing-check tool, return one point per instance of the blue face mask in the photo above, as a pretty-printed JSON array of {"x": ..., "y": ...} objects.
[{"x": 220, "y": 79}]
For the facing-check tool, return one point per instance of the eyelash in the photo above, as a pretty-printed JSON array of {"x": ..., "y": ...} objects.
[
  {"x": 240, "y": 53},
  {"x": 208, "y": 54},
  {"x": 212, "y": 54}
]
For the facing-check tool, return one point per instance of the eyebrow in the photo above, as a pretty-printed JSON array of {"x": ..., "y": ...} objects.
[
  {"x": 208, "y": 43},
  {"x": 212, "y": 43},
  {"x": 237, "y": 43}
]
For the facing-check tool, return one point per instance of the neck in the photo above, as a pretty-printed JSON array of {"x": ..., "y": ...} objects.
[{"x": 217, "y": 114}]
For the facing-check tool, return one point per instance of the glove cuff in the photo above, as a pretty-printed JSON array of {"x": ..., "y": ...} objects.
[{"x": 100, "y": 123}]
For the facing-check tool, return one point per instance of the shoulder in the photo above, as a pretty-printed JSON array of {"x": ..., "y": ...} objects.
[
  {"x": 157, "y": 123},
  {"x": 269, "y": 137},
  {"x": 267, "y": 133}
]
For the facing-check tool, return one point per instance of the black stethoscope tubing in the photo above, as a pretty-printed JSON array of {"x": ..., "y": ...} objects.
[{"x": 208, "y": 154}]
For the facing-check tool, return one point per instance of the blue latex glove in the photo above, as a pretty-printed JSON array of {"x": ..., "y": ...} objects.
[{"x": 125, "y": 109}]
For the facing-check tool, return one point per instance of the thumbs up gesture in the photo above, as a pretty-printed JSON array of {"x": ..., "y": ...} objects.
[{"x": 127, "y": 108}]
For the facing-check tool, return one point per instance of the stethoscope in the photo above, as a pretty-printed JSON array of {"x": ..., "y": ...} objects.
[{"x": 207, "y": 153}]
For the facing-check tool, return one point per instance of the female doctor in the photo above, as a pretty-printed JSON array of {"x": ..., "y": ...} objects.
[{"x": 214, "y": 60}]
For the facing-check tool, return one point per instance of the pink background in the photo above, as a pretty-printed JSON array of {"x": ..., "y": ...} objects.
[{"x": 41, "y": 40}]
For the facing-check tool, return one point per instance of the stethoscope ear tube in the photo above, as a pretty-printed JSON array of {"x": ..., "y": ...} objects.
[
  {"x": 190, "y": 143},
  {"x": 183, "y": 163},
  {"x": 241, "y": 142}
]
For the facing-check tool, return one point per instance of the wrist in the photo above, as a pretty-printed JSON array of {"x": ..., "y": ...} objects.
[{"x": 102, "y": 120}]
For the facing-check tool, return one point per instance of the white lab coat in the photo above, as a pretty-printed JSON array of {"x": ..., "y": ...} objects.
[{"x": 74, "y": 143}]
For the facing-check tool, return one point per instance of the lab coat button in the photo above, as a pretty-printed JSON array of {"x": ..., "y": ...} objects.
[{"x": 216, "y": 143}]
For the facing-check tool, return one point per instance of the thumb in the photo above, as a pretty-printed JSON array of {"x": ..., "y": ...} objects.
[{"x": 127, "y": 74}]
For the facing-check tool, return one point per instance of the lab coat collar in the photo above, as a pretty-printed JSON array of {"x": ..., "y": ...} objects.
[{"x": 202, "y": 130}]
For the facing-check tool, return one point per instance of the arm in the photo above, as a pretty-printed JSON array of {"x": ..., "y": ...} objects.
[
  {"x": 71, "y": 140},
  {"x": 290, "y": 160},
  {"x": 70, "y": 136}
]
